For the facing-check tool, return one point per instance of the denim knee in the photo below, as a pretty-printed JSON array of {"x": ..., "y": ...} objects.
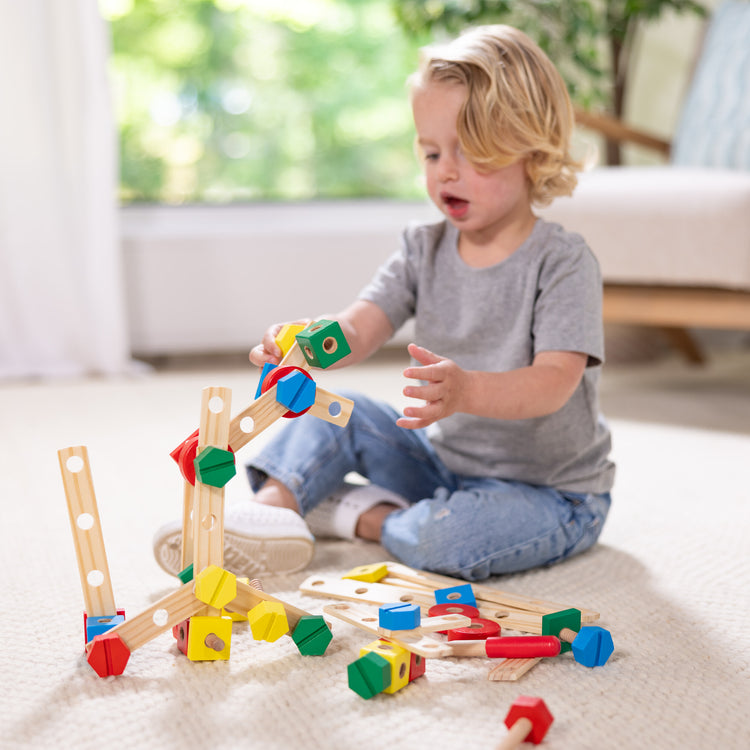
[{"x": 477, "y": 534}]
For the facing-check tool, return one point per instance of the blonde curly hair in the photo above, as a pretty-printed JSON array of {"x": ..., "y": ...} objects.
[{"x": 516, "y": 107}]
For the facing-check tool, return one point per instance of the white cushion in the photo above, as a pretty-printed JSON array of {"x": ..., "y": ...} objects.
[{"x": 663, "y": 225}]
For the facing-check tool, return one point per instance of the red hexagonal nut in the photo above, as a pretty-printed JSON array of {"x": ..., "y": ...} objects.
[
  {"x": 536, "y": 711},
  {"x": 108, "y": 654}
]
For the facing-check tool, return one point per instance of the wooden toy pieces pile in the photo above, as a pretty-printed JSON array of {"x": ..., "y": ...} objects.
[
  {"x": 200, "y": 611},
  {"x": 461, "y": 620}
]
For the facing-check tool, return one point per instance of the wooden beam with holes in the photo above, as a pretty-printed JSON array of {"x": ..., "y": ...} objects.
[
  {"x": 401, "y": 574},
  {"x": 420, "y": 642},
  {"x": 249, "y": 596},
  {"x": 85, "y": 524},
  {"x": 208, "y": 501},
  {"x": 161, "y": 616},
  {"x": 381, "y": 593}
]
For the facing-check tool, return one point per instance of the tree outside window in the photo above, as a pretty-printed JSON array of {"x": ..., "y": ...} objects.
[{"x": 234, "y": 100}]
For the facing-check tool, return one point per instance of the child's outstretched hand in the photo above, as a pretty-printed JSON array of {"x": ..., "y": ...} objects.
[
  {"x": 442, "y": 391},
  {"x": 268, "y": 350}
]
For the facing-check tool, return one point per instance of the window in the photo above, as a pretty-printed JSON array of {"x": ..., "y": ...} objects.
[{"x": 233, "y": 100}]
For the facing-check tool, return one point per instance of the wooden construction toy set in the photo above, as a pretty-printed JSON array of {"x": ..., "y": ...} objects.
[
  {"x": 421, "y": 615},
  {"x": 200, "y": 613}
]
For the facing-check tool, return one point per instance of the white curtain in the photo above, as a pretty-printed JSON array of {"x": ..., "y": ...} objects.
[{"x": 62, "y": 308}]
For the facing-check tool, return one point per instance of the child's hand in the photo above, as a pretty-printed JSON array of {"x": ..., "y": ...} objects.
[
  {"x": 445, "y": 383},
  {"x": 268, "y": 350}
]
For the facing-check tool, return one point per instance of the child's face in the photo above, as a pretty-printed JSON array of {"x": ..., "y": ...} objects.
[{"x": 474, "y": 201}]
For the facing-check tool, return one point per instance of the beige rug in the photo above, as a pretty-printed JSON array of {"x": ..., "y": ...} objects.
[{"x": 670, "y": 579}]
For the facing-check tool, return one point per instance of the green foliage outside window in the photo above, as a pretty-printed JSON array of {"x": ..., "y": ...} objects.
[{"x": 230, "y": 100}]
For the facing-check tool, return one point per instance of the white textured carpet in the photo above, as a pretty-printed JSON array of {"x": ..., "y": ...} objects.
[{"x": 670, "y": 578}]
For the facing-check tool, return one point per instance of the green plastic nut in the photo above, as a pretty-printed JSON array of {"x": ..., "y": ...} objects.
[
  {"x": 214, "y": 466},
  {"x": 312, "y": 635},
  {"x": 369, "y": 675}
]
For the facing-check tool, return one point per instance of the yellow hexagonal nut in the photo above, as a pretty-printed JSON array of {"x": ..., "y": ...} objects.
[
  {"x": 399, "y": 659},
  {"x": 268, "y": 621},
  {"x": 209, "y": 638},
  {"x": 215, "y": 586}
]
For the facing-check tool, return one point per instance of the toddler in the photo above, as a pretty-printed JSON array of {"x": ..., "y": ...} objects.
[{"x": 502, "y": 463}]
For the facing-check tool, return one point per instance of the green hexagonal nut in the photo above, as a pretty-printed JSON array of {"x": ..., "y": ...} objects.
[
  {"x": 214, "y": 466},
  {"x": 323, "y": 343},
  {"x": 593, "y": 646},
  {"x": 312, "y": 635},
  {"x": 369, "y": 675}
]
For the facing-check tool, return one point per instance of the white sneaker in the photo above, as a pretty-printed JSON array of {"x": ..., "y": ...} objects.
[
  {"x": 336, "y": 517},
  {"x": 258, "y": 539}
]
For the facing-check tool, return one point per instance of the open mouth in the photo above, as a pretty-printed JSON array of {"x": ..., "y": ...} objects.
[{"x": 456, "y": 207}]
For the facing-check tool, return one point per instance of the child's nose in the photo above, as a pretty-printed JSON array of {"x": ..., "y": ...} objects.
[{"x": 448, "y": 169}]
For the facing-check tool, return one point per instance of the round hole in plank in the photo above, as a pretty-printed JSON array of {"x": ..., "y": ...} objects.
[
  {"x": 85, "y": 521},
  {"x": 247, "y": 425},
  {"x": 208, "y": 521},
  {"x": 334, "y": 408},
  {"x": 216, "y": 405},
  {"x": 95, "y": 578},
  {"x": 160, "y": 618},
  {"x": 74, "y": 464}
]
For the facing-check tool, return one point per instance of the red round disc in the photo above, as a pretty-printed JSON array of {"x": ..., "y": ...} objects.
[{"x": 479, "y": 630}]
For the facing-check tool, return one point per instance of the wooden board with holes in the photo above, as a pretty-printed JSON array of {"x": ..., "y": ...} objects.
[
  {"x": 402, "y": 574},
  {"x": 249, "y": 596},
  {"x": 423, "y": 644},
  {"x": 208, "y": 501},
  {"x": 381, "y": 593},
  {"x": 161, "y": 616},
  {"x": 85, "y": 524}
]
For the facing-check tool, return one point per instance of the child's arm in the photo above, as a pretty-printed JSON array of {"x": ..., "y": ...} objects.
[
  {"x": 364, "y": 324},
  {"x": 534, "y": 391}
]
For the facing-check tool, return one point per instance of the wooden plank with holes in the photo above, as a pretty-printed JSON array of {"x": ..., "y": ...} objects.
[
  {"x": 161, "y": 616},
  {"x": 403, "y": 573},
  {"x": 208, "y": 501},
  {"x": 255, "y": 418},
  {"x": 249, "y": 596},
  {"x": 85, "y": 524},
  {"x": 380, "y": 593},
  {"x": 331, "y": 408},
  {"x": 420, "y": 644},
  {"x": 425, "y": 645}
]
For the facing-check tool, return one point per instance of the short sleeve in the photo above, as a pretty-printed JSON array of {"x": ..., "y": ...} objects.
[{"x": 568, "y": 308}]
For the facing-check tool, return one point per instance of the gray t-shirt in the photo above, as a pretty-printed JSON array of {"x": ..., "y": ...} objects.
[{"x": 546, "y": 296}]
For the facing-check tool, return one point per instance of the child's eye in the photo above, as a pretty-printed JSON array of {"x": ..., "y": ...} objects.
[{"x": 431, "y": 157}]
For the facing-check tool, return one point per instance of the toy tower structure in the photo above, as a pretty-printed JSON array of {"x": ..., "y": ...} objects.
[{"x": 198, "y": 612}]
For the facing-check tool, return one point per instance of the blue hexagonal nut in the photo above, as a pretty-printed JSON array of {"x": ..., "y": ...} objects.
[
  {"x": 296, "y": 391},
  {"x": 593, "y": 646}
]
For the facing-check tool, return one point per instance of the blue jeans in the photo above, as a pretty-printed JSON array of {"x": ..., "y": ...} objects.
[{"x": 468, "y": 527}]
